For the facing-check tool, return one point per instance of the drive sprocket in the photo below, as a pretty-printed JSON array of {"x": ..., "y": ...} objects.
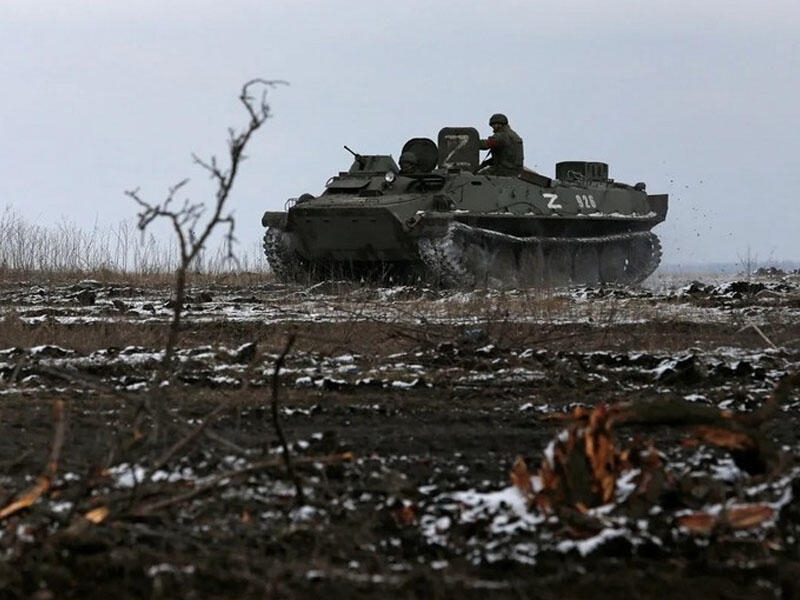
[{"x": 281, "y": 256}]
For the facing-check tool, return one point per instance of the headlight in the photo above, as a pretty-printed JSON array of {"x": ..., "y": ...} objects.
[{"x": 390, "y": 177}]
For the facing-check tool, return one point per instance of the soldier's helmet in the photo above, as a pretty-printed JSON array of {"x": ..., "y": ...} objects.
[
  {"x": 408, "y": 160},
  {"x": 499, "y": 118}
]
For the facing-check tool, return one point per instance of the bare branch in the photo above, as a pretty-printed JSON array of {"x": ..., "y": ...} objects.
[
  {"x": 185, "y": 441},
  {"x": 47, "y": 477},
  {"x": 187, "y": 222},
  {"x": 287, "y": 456}
]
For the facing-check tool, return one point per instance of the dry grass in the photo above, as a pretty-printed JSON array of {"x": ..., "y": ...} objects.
[
  {"x": 65, "y": 252},
  {"x": 153, "y": 280}
]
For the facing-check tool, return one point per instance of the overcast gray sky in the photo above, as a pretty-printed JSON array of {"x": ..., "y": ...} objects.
[{"x": 697, "y": 99}]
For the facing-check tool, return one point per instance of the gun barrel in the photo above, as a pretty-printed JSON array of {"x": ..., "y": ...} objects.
[{"x": 359, "y": 159}]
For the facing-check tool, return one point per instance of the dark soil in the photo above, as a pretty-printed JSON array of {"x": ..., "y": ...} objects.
[{"x": 404, "y": 411}]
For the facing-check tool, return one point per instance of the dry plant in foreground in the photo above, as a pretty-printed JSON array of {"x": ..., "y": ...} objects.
[
  {"x": 119, "y": 506},
  {"x": 191, "y": 232},
  {"x": 583, "y": 465},
  {"x": 45, "y": 480},
  {"x": 65, "y": 252}
]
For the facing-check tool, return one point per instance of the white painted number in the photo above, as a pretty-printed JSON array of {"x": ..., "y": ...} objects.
[
  {"x": 585, "y": 201},
  {"x": 551, "y": 201}
]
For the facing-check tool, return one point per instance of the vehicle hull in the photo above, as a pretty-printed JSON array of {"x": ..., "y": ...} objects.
[{"x": 450, "y": 224}]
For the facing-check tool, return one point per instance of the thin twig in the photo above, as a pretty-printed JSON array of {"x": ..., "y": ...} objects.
[
  {"x": 59, "y": 433},
  {"x": 49, "y": 474},
  {"x": 757, "y": 329},
  {"x": 226, "y": 442},
  {"x": 186, "y": 222},
  {"x": 287, "y": 457},
  {"x": 186, "y": 440},
  {"x": 90, "y": 381},
  {"x": 215, "y": 481}
]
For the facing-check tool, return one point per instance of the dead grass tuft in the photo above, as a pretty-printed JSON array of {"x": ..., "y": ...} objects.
[{"x": 65, "y": 252}]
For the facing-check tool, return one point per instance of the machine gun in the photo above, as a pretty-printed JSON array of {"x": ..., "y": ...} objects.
[{"x": 359, "y": 159}]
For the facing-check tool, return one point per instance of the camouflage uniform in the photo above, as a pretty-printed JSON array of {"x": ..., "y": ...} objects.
[{"x": 507, "y": 152}]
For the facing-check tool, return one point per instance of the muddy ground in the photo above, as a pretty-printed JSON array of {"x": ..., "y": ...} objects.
[{"x": 404, "y": 411}]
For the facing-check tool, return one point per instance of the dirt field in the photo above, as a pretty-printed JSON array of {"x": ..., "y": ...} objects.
[{"x": 406, "y": 413}]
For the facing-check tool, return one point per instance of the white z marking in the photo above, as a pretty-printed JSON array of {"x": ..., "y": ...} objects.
[
  {"x": 551, "y": 201},
  {"x": 455, "y": 143}
]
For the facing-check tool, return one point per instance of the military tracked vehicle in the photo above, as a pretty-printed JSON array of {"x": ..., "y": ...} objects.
[{"x": 450, "y": 223}]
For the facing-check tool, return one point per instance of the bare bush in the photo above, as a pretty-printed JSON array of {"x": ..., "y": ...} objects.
[{"x": 187, "y": 222}]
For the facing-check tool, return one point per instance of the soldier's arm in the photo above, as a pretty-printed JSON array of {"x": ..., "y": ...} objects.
[{"x": 492, "y": 142}]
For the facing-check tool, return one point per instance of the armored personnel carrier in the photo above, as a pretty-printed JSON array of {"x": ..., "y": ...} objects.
[{"x": 450, "y": 223}]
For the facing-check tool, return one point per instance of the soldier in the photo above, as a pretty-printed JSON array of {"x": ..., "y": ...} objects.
[
  {"x": 408, "y": 163},
  {"x": 506, "y": 148}
]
